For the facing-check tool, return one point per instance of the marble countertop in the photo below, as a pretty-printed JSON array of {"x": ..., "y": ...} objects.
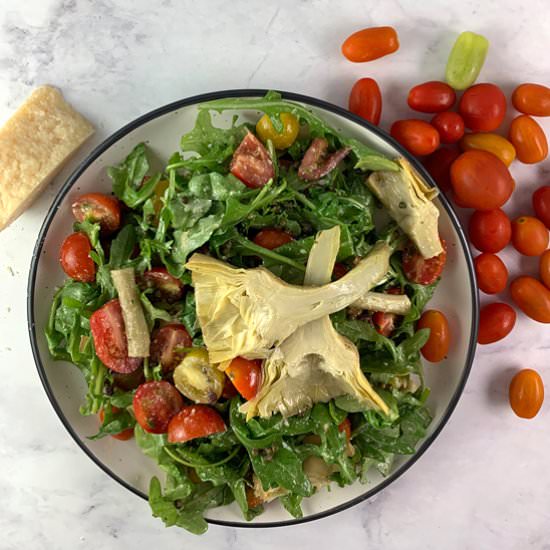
[{"x": 485, "y": 482}]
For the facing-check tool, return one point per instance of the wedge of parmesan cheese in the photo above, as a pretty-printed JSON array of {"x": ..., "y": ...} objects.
[{"x": 34, "y": 144}]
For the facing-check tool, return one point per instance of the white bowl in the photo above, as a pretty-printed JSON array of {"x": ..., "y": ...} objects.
[{"x": 162, "y": 129}]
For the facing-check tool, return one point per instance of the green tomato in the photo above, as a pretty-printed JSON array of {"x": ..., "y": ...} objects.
[{"x": 466, "y": 59}]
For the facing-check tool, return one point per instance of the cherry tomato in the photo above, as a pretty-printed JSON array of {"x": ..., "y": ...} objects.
[
  {"x": 528, "y": 139},
  {"x": 316, "y": 163},
  {"x": 129, "y": 381},
  {"x": 124, "y": 435},
  {"x": 544, "y": 268},
  {"x": 369, "y": 44},
  {"x": 272, "y": 238},
  {"x": 165, "y": 342},
  {"x": 449, "y": 126},
  {"x": 541, "y": 204},
  {"x": 496, "y": 321},
  {"x": 384, "y": 323},
  {"x": 526, "y": 393},
  {"x": 482, "y": 107},
  {"x": 339, "y": 271},
  {"x": 532, "y": 297},
  {"x": 420, "y": 270},
  {"x": 437, "y": 346},
  {"x": 229, "y": 390},
  {"x": 532, "y": 99},
  {"x": 345, "y": 426},
  {"x": 109, "y": 334},
  {"x": 480, "y": 180},
  {"x": 529, "y": 236},
  {"x": 492, "y": 143},
  {"x": 431, "y": 97},
  {"x": 417, "y": 136},
  {"x": 194, "y": 421},
  {"x": 155, "y": 404},
  {"x": 75, "y": 258},
  {"x": 466, "y": 59},
  {"x": 490, "y": 230},
  {"x": 252, "y": 499},
  {"x": 251, "y": 162},
  {"x": 97, "y": 207},
  {"x": 491, "y": 273},
  {"x": 438, "y": 165},
  {"x": 365, "y": 100},
  {"x": 246, "y": 376},
  {"x": 283, "y": 139},
  {"x": 165, "y": 286}
]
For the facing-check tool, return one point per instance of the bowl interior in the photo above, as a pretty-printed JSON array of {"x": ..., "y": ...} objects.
[{"x": 456, "y": 296}]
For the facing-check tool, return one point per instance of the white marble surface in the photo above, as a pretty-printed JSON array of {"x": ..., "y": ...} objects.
[{"x": 485, "y": 482}]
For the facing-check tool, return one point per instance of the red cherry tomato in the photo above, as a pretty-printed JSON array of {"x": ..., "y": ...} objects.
[
  {"x": 480, "y": 180},
  {"x": 496, "y": 321},
  {"x": 532, "y": 297},
  {"x": 229, "y": 390},
  {"x": 251, "y": 162},
  {"x": 544, "y": 268},
  {"x": 109, "y": 334},
  {"x": 532, "y": 99},
  {"x": 345, "y": 426},
  {"x": 449, "y": 125},
  {"x": 439, "y": 164},
  {"x": 124, "y": 435},
  {"x": 431, "y": 97},
  {"x": 365, "y": 100},
  {"x": 541, "y": 204},
  {"x": 384, "y": 323},
  {"x": 165, "y": 286},
  {"x": 437, "y": 346},
  {"x": 490, "y": 230},
  {"x": 420, "y": 270},
  {"x": 316, "y": 163},
  {"x": 246, "y": 376},
  {"x": 417, "y": 136},
  {"x": 482, "y": 107},
  {"x": 129, "y": 381},
  {"x": 339, "y": 271},
  {"x": 526, "y": 393},
  {"x": 529, "y": 139},
  {"x": 166, "y": 344},
  {"x": 75, "y": 258},
  {"x": 369, "y": 44},
  {"x": 97, "y": 207},
  {"x": 155, "y": 404},
  {"x": 491, "y": 273},
  {"x": 529, "y": 236},
  {"x": 194, "y": 421},
  {"x": 272, "y": 238}
]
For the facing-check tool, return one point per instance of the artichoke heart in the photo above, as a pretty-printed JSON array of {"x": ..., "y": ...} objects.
[{"x": 409, "y": 202}]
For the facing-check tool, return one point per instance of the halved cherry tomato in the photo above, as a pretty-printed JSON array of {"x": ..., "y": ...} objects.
[
  {"x": 75, "y": 258},
  {"x": 437, "y": 346},
  {"x": 165, "y": 286},
  {"x": 97, "y": 207},
  {"x": 496, "y": 321},
  {"x": 431, "y": 97},
  {"x": 420, "y": 270},
  {"x": 124, "y": 435},
  {"x": 109, "y": 334},
  {"x": 229, "y": 390},
  {"x": 195, "y": 421},
  {"x": 438, "y": 165},
  {"x": 449, "y": 126},
  {"x": 384, "y": 323},
  {"x": 283, "y": 139},
  {"x": 532, "y": 99},
  {"x": 129, "y": 381},
  {"x": 480, "y": 180},
  {"x": 526, "y": 393},
  {"x": 532, "y": 297},
  {"x": 272, "y": 238},
  {"x": 155, "y": 404},
  {"x": 489, "y": 230},
  {"x": 165, "y": 342},
  {"x": 529, "y": 236},
  {"x": 417, "y": 136},
  {"x": 482, "y": 107},
  {"x": 528, "y": 139},
  {"x": 316, "y": 163},
  {"x": 345, "y": 426},
  {"x": 246, "y": 376},
  {"x": 541, "y": 204},
  {"x": 544, "y": 268},
  {"x": 339, "y": 271},
  {"x": 365, "y": 100},
  {"x": 492, "y": 143},
  {"x": 251, "y": 162},
  {"x": 491, "y": 273},
  {"x": 369, "y": 44}
]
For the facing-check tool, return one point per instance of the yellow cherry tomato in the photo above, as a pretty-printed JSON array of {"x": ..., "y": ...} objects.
[
  {"x": 493, "y": 143},
  {"x": 286, "y": 137}
]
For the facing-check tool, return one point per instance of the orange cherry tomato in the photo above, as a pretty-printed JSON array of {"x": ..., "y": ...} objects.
[
  {"x": 272, "y": 238},
  {"x": 489, "y": 230},
  {"x": 491, "y": 273},
  {"x": 532, "y": 99},
  {"x": 437, "y": 346},
  {"x": 544, "y": 268},
  {"x": 532, "y": 297},
  {"x": 526, "y": 393},
  {"x": 492, "y": 143},
  {"x": 496, "y": 321},
  {"x": 438, "y": 165},
  {"x": 417, "y": 136},
  {"x": 480, "y": 180},
  {"x": 431, "y": 97},
  {"x": 541, "y": 204},
  {"x": 528, "y": 139},
  {"x": 449, "y": 126},
  {"x": 124, "y": 435},
  {"x": 529, "y": 236},
  {"x": 482, "y": 107},
  {"x": 246, "y": 376},
  {"x": 365, "y": 100},
  {"x": 345, "y": 426},
  {"x": 369, "y": 44}
]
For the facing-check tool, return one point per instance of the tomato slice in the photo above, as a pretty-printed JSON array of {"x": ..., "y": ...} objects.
[
  {"x": 272, "y": 238},
  {"x": 75, "y": 260},
  {"x": 97, "y": 207},
  {"x": 251, "y": 162},
  {"x": 246, "y": 376},
  {"x": 316, "y": 164},
  {"x": 421, "y": 270},
  {"x": 165, "y": 342},
  {"x": 109, "y": 336},
  {"x": 155, "y": 404},
  {"x": 384, "y": 323},
  {"x": 194, "y": 421},
  {"x": 165, "y": 286}
]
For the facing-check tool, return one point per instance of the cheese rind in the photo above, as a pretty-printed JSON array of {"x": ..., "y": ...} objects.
[{"x": 34, "y": 144}]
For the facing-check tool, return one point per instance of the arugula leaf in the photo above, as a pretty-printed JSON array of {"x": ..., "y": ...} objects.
[
  {"x": 122, "y": 247},
  {"x": 114, "y": 423}
]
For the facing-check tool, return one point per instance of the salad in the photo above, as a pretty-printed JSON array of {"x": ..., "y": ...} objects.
[{"x": 250, "y": 312}]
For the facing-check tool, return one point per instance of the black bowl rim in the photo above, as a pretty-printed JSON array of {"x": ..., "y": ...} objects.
[{"x": 193, "y": 100}]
